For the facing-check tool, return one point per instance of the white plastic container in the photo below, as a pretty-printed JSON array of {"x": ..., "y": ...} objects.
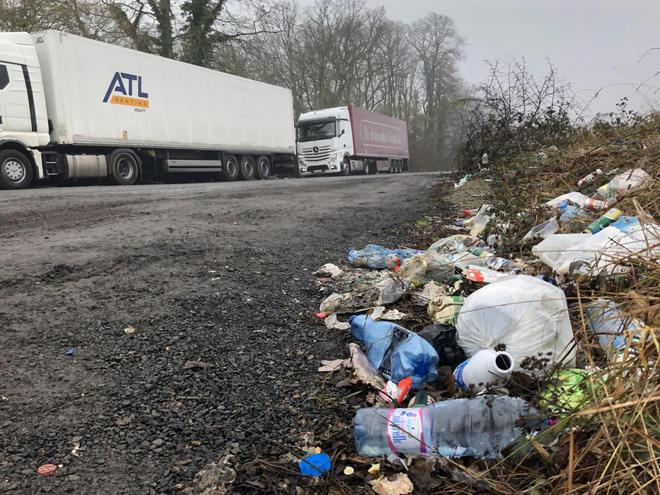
[{"x": 486, "y": 367}]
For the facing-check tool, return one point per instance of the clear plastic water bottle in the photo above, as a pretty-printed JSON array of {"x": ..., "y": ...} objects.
[{"x": 478, "y": 427}]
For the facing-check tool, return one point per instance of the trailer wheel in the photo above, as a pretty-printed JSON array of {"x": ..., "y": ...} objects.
[
  {"x": 246, "y": 168},
  {"x": 264, "y": 170},
  {"x": 230, "y": 169},
  {"x": 124, "y": 167},
  {"x": 15, "y": 170}
]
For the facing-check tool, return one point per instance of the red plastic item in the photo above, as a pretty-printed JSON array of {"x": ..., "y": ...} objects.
[
  {"x": 47, "y": 470},
  {"x": 322, "y": 315},
  {"x": 404, "y": 388}
]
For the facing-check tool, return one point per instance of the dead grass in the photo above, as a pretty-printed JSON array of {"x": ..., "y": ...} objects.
[{"x": 611, "y": 443}]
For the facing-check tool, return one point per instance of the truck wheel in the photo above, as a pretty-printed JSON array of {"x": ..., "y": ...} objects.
[
  {"x": 230, "y": 170},
  {"x": 246, "y": 168},
  {"x": 346, "y": 167},
  {"x": 264, "y": 170},
  {"x": 124, "y": 167},
  {"x": 15, "y": 170}
]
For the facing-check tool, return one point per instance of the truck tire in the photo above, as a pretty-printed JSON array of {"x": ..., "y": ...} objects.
[
  {"x": 346, "y": 167},
  {"x": 230, "y": 169},
  {"x": 247, "y": 168},
  {"x": 264, "y": 169},
  {"x": 124, "y": 167},
  {"x": 15, "y": 170}
]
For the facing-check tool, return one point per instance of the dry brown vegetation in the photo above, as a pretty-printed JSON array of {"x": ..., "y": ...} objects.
[{"x": 610, "y": 443}]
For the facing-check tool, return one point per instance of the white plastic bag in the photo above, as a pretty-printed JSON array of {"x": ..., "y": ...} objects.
[
  {"x": 623, "y": 183},
  {"x": 551, "y": 250},
  {"x": 522, "y": 315},
  {"x": 607, "y": 251}
]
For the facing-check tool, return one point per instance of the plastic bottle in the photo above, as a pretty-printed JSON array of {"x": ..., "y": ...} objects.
[
  {"x": 543, "y": 230},
  {"x": 478, "y": 427},
  {"x": 486, "y": 367},
  {"x": 608, "y": 218},
  {"x": 597, "y": 204},
  {"x": 613, "y": 328},
  {"x": 588, "y": 179}
]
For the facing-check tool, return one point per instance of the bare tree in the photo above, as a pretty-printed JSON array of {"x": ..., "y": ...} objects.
[
  {"x": 514, "y": 110},
  {"x": 437, "y": 45}
]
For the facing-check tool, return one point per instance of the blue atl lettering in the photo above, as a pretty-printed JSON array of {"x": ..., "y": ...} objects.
[{"x": 119, "y": 84}]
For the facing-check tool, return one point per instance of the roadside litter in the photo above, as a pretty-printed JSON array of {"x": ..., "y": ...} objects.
[
  {"x": 47, "y": 470},
  {"x": 315, "y": 464},
  {"x": 486, "y": 367},
  {"x": 524, "y": 315},
  {"x": 395, "y": 351},
  {"x": 400, "y": 484},
  {"x": 450, "y": 428},
  {"x": 490, "y": 362},
  {"x": 377, "y": 257}
]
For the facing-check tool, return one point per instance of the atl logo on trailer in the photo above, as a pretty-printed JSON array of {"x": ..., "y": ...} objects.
[{"x": 126, "y": 89}]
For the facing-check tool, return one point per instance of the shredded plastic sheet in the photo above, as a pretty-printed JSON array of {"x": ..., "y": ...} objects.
[{"x": 523, "y": 315}]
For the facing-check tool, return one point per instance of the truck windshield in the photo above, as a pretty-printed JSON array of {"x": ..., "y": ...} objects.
[{"x": 315, "y": 131}]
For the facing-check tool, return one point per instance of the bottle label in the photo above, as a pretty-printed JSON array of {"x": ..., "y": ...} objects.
[{"x": 405, "y": 431}]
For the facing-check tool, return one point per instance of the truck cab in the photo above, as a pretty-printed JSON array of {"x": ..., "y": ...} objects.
[
  {"x": 325, "y": 142},
  {"x": 23, "y": 117}
]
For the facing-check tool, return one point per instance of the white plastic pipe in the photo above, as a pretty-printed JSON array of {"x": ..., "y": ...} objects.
[{"x": 484, "y": 368}]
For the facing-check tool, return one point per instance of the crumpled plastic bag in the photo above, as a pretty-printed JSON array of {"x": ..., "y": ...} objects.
[
  {"x": 395, "y": 351},
  {"x": 362, "y": 370},
  {"x": 329, "y": 270},
  {"x": 377, "y": 257},
  {"x": 445, "y": 309},
  {"x": 426, "y": 267},
  {"x": 400, "y": 485},
  {"x": 522, "y": 315},
  {"x": 455, "y": 244},
  {"x": 385, "y": 290},
  {"x": 623, "y": 183},
  {"x": 606, "y": 252}
]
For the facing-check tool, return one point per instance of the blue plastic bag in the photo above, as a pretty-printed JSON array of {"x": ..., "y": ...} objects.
[
  {"x": 395, "y": 351},
  {"x": 378, "y": 258}
]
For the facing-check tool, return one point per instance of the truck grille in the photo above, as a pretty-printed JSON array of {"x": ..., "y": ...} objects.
[{"x": 322, "y": 155}]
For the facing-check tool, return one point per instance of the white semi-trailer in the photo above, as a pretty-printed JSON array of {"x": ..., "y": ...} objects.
[{"x": 71, "y": 107}]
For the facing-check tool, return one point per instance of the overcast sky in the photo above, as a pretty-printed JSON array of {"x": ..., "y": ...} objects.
[{"x": 592, "y": 43}]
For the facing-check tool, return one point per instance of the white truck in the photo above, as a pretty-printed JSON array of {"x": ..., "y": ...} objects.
[
  {"x": 350, "y": 140},
  {"x": 71, "y": 107}
]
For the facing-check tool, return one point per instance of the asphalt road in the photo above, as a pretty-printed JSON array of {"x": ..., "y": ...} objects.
[{"x": 213, "y": 273}]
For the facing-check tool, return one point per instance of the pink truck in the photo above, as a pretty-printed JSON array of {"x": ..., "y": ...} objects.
[{"x": 350, "y": 140}]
